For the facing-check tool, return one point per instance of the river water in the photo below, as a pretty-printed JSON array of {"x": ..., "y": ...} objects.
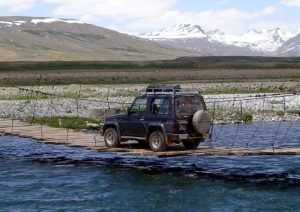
[{"x": 39, "y": 177}]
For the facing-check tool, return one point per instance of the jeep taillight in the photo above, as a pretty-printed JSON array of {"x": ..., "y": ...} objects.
[{"x": 175, "y": 127}]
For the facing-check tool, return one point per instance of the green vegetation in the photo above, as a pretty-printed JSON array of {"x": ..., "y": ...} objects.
[
  {"x": 247, "y": 117},
  {"x": 271, "y": 111},
  {"x": 200, "y": 69},
  {"x": 146, "y": 76},
  {"x": 280, "y": 113},
  {"x": 221, "y": 62},
  {"x": 276, "y": 102},
  {"x": 295, "y": 112},
  {"x": 23, "y": 97},
  {"x": 76, "y": 123},
  {"x": 238, "y": 90}
]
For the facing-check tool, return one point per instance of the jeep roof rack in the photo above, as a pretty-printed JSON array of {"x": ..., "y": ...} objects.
[
  {"x": 166, "y": 89},
  {"x": 156, "y": 88}
]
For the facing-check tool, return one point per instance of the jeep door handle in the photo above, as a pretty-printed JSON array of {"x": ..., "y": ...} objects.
[{"x": 142, "y": 119}]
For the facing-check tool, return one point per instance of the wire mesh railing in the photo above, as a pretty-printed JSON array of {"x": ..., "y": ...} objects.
[{"x": 240, "y": 110}]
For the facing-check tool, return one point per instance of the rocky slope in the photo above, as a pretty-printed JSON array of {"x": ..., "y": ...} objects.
[{"x": 291, "y": 47}]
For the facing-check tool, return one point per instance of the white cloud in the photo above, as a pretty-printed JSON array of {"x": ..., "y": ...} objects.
[
  {"x": 291, "y": 2},
  {"x": 117, "y": 9},
  {"x": 146, "y": 15},
  {"x": 230, "y": 20},
  {"x": 269, "y": 10},
  {"x": 17, "y": 5}
]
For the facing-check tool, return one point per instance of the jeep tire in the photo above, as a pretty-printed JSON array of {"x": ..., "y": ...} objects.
[
  {"x": 111, "y": 138},
  {"x": 157, "y": 141},
  {"x": 191, "y": 144}
]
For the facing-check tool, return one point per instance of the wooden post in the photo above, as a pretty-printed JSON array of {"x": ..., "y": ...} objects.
[
  {"x": 78, "y": 99},
  {"x": 212, "y": 125},
  {"x": 12, "y": 125},
  {"x": 284, "y": 105},
  {"x": 108, "y": 103},
  {"x": 241, "y": 105},
  {"x": 67, "y": 135},
  {"x": 42, "y": 131}
]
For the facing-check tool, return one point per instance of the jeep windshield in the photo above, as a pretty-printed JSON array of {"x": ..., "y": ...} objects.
[{"x": 188, "y": 105}]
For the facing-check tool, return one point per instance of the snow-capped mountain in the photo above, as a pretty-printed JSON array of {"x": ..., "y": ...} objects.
[
  {"x": 252, "y": 42},
  {"x": 177, "y": 32},
  {"x": 256, "y": 40}
]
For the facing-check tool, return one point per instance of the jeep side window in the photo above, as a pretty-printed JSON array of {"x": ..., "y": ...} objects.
[
  {"x": 181, "y": 108},
  {"x": 139, "y": 106},
  {"x": 161, "y": 106}
]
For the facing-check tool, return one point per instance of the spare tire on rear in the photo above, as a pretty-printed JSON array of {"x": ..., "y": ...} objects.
[{"x": 202, "y": 122}]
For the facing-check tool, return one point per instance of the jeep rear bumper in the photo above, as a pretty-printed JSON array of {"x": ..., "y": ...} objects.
[{"x": 181, "y": 137}]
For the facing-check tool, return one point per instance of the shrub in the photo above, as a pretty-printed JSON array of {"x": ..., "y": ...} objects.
[
  {"x": 295, "y": 112},
  {"x": 247, "y": 117},
  {"x": 280, "y": 113}
]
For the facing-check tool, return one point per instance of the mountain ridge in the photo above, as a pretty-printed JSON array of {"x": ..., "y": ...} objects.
[
  {"x": 25, "y": 38},
  {"x": 253, "y": 42}
]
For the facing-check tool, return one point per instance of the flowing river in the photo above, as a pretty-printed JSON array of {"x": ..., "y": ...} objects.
[{"x": 40, "y": 177}]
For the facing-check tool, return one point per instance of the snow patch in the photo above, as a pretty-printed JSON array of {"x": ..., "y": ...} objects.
[
  {"x": 51, "y": 20},
  {"x": 177, "y": 32},
  {"x": 6, "y": 23},
  {"x": 19, "y": 23}
]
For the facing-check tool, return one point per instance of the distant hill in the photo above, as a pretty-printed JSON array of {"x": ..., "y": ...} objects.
[{"x": 49, "y": 39}]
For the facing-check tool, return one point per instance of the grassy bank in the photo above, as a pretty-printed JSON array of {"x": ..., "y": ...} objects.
[
  {"x": 106, "y": 77},
  {"x": 199, "y": 69},
  {"x": 221, "y": 62}
]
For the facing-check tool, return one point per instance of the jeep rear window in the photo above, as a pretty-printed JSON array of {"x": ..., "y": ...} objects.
[{"x": 188, "y": 105}]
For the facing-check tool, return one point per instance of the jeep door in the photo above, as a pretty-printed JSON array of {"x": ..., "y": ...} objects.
[
  {"x": 134, "y": 126},
  {"x": 160, "y": 111}
]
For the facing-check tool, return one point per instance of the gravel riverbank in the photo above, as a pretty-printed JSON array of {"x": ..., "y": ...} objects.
[{"x": 75, "y": 100}]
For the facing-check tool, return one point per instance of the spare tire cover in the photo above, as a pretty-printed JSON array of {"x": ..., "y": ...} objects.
[{"x": 202, "y": 122}]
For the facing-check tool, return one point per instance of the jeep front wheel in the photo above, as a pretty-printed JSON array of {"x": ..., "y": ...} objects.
[
  {"x": 111, "y": 138},
  {"x": 157, "y": 142}
]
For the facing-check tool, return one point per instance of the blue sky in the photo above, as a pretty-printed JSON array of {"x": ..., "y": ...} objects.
[{"x": 136, "y": 16}]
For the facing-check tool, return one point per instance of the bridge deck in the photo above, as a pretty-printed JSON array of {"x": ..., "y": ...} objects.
[{"x": 50, "y": 135}]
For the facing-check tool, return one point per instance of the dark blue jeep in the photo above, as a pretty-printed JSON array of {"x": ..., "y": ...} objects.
[{"x": 162, "y": 116}]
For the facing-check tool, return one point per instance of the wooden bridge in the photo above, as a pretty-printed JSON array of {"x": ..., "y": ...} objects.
[{"x": 80, "y": 139}]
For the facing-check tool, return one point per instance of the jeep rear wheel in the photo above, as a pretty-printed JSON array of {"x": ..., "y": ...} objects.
[
  {"x": 191, "y": 144},
  {"x": 111, "y": 138},
  {"x": 157, "y": 142}
]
